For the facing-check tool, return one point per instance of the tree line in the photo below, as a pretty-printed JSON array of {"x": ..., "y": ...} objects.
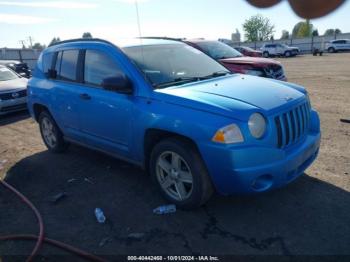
[{"x": 259, "y": 28}]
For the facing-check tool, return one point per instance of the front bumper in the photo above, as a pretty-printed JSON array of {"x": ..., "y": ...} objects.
[
  {"x": 13, "y": 105},
  {"x": 254, "y": 169}
]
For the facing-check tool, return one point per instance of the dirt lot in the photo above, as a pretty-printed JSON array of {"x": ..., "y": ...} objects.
[{"x": 309, "y": 217}]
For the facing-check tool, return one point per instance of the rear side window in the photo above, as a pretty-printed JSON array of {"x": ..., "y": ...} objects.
[
  {"x": 99, "y": 66},
  {"x": 47, "y": 62},
  {"x": 66, "y": 65}
]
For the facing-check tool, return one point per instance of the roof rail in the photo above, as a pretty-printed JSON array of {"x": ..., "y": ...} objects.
[
  {"x": 162, "y": 38},
  {"x": 80, "y": 39}
]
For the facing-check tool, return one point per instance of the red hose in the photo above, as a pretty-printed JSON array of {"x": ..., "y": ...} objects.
[{"x": 40, "y": 239}]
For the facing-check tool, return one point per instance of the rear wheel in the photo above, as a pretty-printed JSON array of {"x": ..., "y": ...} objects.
[
  {"x": 51, "y": 134},
  {"x": 266, "y": 54},
  {"x": 180, "y": 173}
]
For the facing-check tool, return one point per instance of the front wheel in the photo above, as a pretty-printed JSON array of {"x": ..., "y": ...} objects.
[
  {"x": 180, "y": 174},
  {"x": 287, "y": 54},
  {"x": 331, "y": 50},
  {"x": 266, "y": 54},
  {"x": 51, "y": 134}
]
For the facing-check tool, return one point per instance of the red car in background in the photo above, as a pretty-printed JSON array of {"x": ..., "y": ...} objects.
[
  {"x": 236, "y": 62},
  {"x": 247, "y": 51}
]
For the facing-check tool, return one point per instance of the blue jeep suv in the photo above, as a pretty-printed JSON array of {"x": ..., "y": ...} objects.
[{"x": 176, "y": 112}]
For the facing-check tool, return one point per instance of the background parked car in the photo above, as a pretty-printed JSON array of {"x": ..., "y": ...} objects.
[
  {"x": 13, "y": 91},
  {"x": 19, "y": 67},
  {"x": 338, "y": 45},
  {"x": 247, "y": 51},
  {"x": 236, "y": 62},
  {"x": 279, "y": 50}
]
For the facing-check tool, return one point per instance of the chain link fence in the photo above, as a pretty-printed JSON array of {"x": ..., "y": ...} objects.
[
  {"x": 306, "y": 45},
  {"x": 29, "y": 56}
]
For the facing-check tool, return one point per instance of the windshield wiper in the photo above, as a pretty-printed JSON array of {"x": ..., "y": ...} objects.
[
  {"x": 216, "y": 74},
  {"x": 185, "y": 80},
  {"x": 178, "y": 81}
]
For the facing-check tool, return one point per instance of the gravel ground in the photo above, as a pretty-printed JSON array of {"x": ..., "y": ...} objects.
[{"x": 309, "y": 217}]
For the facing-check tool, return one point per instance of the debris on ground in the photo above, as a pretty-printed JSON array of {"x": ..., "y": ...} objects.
[
  {"x": 100, "y": 216},
  {"x": 2, "y": 162},
  {"x": 345, "y": 120},
  {"x": 164, "y": 209},
  {"x": 105, "y": 241},
  {"x": 136, "y": 235},
  {"x": 88, "y": 180},
  {"x": 56, "y": 198},
  {"x": 71, "y": 180}
]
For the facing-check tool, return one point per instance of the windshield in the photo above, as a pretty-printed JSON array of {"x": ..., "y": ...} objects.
[
  {"x": 173, "y": 63},
  {"x": 218, "y": 50},
  {"x": 6, "y": 74}
]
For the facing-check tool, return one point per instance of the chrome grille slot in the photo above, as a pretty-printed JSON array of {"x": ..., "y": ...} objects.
[{"x": 292, "y": 125}]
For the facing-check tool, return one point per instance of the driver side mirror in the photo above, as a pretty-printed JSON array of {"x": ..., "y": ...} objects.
[{"x": 119, "y": 83}]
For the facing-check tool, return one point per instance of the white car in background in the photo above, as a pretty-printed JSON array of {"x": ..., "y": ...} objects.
[
  {"x": 13, "y": 91},
  {"x": 338, "y": 45},
  {"x": 279, "y": 50}
]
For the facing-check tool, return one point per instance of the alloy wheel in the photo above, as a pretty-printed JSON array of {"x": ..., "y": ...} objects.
[
  {"x": 174, "y": 176},
  {"x": 48, "y": 131}
]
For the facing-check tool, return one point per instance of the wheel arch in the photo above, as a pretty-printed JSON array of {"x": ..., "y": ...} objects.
[
  {"x": 153, "y": 136},
  {"x": 38, "y": 109}
]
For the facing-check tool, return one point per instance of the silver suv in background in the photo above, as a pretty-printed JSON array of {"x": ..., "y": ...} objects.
[
  {"x": 338, "y": 45},
  {"x": 279, "y": 50},
  {"x": 13, "y": 91}
]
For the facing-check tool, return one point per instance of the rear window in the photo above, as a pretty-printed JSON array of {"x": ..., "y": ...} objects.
[{"x": 68, "y": 65}]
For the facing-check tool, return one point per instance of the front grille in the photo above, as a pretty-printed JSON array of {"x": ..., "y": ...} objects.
[
  {"x": 292, "y": 125},
  {"x": 274, "y": 71},
  {"x": 9, "y": 96},
  {"x": 13, "y": 108}
]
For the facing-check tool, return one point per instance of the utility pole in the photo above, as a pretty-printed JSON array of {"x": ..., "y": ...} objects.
[
  {"x": 22, "y": 42},
  {"x": 30, "y": 41}
]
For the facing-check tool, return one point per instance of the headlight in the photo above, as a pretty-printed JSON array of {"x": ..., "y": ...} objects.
[
  {"x": 257, "y": 125},
  {"x": 228, "y": 135},
  {"x": 254, "y": 72}
]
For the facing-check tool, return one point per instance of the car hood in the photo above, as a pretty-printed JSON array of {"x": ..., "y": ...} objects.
[
  {"x": 13, "y": 85},
  {"x": 250, "y": 61},
  {"x": 235, "y": 95}
]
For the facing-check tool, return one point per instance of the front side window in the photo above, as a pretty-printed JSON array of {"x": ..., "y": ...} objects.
[
  {"x": 99, "y": 66},
  {"x": 218, "y": 50},
  {"x": 6, "y": 74},
  {"x": 69, "y": 63},
  {"x": 170, "y": 63}
]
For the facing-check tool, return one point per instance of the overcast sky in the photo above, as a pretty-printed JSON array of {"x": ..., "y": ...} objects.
[{"x": 114, "y": 19}]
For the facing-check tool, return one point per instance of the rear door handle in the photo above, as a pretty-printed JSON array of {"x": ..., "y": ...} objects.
[{"x": 85, "y": 96}]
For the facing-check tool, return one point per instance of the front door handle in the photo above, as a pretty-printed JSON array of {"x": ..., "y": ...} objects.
[{"x": 85, "y": 96}]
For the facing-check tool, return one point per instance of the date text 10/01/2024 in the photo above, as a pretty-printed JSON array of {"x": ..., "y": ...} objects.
[{"x": 173, "y": 258}]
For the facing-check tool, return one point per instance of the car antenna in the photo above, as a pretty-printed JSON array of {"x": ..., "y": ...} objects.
[{"x": 139, "y": 28}]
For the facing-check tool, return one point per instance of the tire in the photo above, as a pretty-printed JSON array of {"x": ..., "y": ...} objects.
[
  {"x": 266, "y": 54},
  {"x": 51, "y": 134},
  {"x": 331, "y": 50},
  {"x": 287, "y": 54},
  {"x": 196, "y": 186}
]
